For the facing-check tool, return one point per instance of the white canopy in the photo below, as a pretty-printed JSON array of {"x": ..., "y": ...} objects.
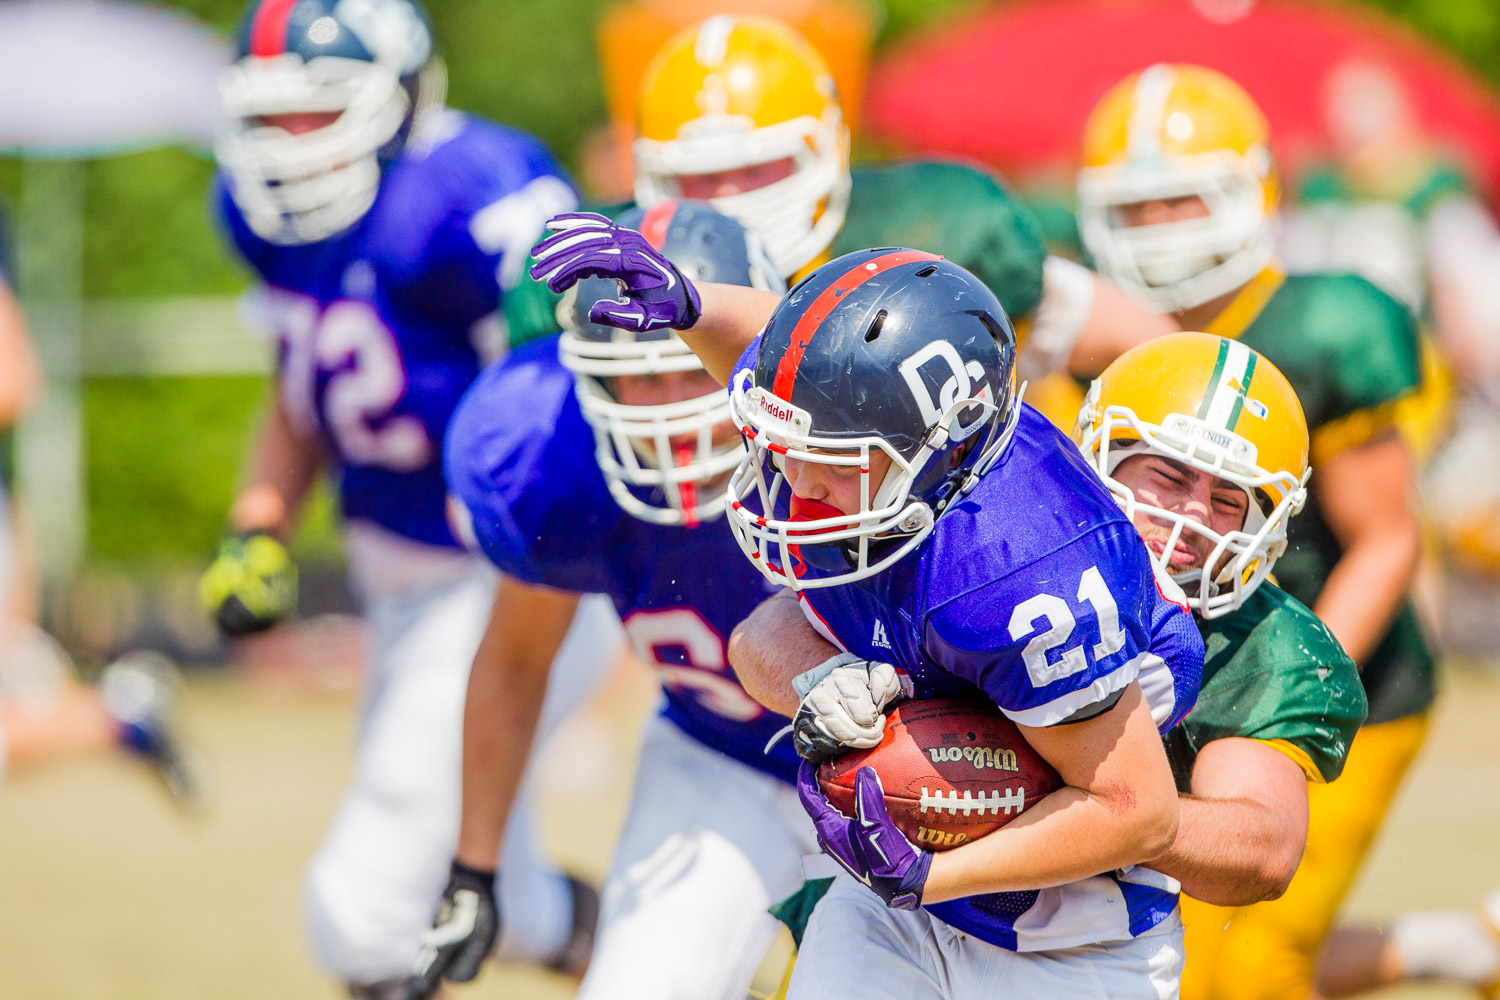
[{"x": 88, "y": 77}]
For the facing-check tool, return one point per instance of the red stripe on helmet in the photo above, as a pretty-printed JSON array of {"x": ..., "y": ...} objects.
[
  {"x": 268, "y": 30},
  {"x": 802, "y": 333},
  {"x": 657, "y": 221}
]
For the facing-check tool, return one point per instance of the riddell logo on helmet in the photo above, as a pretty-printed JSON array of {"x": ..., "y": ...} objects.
[{"x": 779, "y": 409}]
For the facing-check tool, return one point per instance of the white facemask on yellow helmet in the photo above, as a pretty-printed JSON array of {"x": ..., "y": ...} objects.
[
  {"x": 1170, "y": 132},
  {"x": 736, "y": 92},
  {"x": 1219, "y": 407}
]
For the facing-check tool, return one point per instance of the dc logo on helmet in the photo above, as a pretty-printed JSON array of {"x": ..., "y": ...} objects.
[
  {"x": 393, "y": 30},
  {"x": 957, "y": 387}
]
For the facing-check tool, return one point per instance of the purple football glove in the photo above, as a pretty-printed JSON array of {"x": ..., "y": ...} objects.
[
  {"x": 870, "y": 847},
  {"x": 584, "y": 245}
]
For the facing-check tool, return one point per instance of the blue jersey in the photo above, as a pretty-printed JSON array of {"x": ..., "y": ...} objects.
[
  {"x": 380, "y": 329},
  {"x": 520, "y": 459},
  {"x": 1036, "y": 592}
]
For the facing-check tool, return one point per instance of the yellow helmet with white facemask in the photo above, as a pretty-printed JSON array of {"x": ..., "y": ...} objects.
[
  {"x": 735, "y": 92},
  {"x": 1219, "y": 407},
  {"x": 1169, "y": 132}
]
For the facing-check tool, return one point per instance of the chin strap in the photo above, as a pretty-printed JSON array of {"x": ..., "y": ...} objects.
[{"x": 993, "y": 449}]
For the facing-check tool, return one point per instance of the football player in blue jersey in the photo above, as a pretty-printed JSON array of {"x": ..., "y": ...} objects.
[
  {"x": 928, "y": 520},
  {"x": 599, "y": 463},
  {"x": 385, "y": 231}
]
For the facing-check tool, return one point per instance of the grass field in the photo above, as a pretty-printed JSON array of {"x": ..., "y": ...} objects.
[{"x": 107, "y": 894}]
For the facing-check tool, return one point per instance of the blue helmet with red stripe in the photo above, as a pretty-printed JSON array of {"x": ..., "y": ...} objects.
[
  {"x": 321, "y": 95},
  {"x": 665, "y": 463},
  {"x": 895, "y": 366}
]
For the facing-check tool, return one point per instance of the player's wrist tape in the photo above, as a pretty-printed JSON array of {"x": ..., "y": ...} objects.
[{"x": 468, "y": 877}]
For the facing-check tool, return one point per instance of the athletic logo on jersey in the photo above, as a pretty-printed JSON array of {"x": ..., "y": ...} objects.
[
  {"x": 958, "y": 386},
  {"x": 880, "y": 638}
]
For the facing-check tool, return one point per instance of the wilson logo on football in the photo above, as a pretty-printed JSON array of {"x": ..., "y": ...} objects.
[
  {"x": 939, "y": 838},
  {"x": 1000, "y": 758}
]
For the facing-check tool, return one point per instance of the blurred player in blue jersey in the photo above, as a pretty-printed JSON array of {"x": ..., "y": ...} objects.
[
  {"x": 950, "y": 542},
  {"x": 599, "y": 464},
  {"x": 385, "y": 231}
]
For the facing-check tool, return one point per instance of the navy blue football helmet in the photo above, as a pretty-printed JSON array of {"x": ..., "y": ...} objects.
[
  {"x": 892, "y": 351},
  {"x": 358, "y": 73},
  {"x": 662, "y": 462}
]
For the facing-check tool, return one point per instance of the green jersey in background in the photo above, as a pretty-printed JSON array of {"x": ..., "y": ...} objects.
[
  {"x": 1351, "y": 352},
  {"x": 958, "y": 211}
]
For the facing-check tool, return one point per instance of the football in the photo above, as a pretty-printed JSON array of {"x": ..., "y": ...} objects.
[{"x": 953, "y": 770}]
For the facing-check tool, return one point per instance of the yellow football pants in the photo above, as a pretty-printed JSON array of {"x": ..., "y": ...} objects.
[{"x": 1267, "y": 951}]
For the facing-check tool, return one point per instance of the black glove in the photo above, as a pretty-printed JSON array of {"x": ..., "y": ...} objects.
[
  {"x": 251, "y": 585},
  {"x": 462, "y": 934}
]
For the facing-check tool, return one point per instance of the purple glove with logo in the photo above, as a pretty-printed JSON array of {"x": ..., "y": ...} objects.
[
  {"x": 870, "y": 847},
  {"x": 585, "y": 245}
]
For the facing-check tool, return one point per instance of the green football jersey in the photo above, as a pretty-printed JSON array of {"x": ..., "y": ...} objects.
[
  {"x": 1350, "y": 351},
  {"x": 958, "y": 211},
  {"x": 1272, "y": 672}
]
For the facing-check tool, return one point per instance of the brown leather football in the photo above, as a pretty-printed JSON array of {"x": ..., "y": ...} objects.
[{"x": 952, "y": 769}]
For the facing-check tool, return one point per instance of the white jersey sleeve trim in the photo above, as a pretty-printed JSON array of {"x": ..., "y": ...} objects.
[
  {"x": 1067, "y": 301},
  {"x": 1158, "y": 687},
  {"x": 1070, "y": 704},
  {"x": 1137, "y": 875},
  {"x": 819, "y": 625}
]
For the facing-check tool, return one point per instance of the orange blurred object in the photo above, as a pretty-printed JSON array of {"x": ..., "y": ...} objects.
[{"x": 630, "y": 33}]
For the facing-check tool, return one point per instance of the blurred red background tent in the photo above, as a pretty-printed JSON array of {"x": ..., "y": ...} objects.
[{"x": 1011, "y": 84}]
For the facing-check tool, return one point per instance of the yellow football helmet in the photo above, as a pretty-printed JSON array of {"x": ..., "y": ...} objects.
[
  {"x": 736, "y": 92},
  {"x": 1178, "y": 131},
  {"x": 1218, "y": 406}
]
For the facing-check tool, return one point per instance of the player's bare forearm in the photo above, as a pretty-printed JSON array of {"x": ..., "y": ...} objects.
[
  {"x": 507, "y": 686},
  {"x": 732, "y": 316},
  {"x": 1118, "y": 808},
  {"x": 1115, "y": 324},
  {"x": 20, "y": 371},
  {"x": 1242, "y": 831},
  {"x": 1365, "y": 494},
  {"x": 771, "y": 647},
  {"x": 283, "y": 465}
]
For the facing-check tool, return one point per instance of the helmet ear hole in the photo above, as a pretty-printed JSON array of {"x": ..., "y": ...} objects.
[{"x": 998, "y": 330}]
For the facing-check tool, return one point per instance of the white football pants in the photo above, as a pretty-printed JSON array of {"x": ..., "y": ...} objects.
[
  {"x": 856, "y": 946},
  {"x": 373, "y": 886},
  {"x": 707, "y": 846}
]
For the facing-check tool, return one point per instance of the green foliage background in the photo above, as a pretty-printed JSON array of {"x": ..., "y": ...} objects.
[{"x": 164, "y": 454}]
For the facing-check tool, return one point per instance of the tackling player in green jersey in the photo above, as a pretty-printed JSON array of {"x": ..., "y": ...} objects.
[
  {"x": 1204, "y": 444},
  {"x": 1177, "y": 203}
]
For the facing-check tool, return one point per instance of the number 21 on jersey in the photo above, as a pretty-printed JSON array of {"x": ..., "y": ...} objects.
[{"x": 1060, "y": 623}]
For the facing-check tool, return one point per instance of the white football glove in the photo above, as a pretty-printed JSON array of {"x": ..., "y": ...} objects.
[{"x": 843, "y": 705}]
